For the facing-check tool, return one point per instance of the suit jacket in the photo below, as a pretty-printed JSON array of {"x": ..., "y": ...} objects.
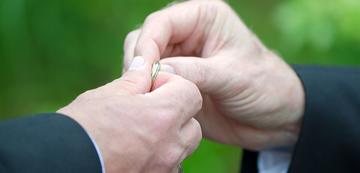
[
  {"x": 46, "y": 143},
  {"x": 329, "y": 140}
]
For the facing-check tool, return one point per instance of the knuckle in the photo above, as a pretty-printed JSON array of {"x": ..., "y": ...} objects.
[
  {"x": 131, "y": 35},
  {"x": 152, "y": 17},
  {"x": 214, "y": 8},
  {"x": 219, "y": 4}
]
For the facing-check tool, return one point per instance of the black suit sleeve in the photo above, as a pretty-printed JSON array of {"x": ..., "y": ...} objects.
[
  {"x": 330, "y": 134},
  {"x": 329, "y": 140},
  {"x": 46, "y": 143}
]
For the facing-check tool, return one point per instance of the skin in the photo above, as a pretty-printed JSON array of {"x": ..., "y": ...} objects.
[
  {"x": 252, "y": 98},
  {"x": 138, "y": 129}
]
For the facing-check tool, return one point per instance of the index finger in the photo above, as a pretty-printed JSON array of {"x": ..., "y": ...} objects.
[
  {"x": 178, "y": 94},
  {"x": 168, "y": 26}
]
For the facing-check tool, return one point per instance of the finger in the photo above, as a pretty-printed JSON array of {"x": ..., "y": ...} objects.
[
  {"x": 168, "y": 26},
  {"x": 179, "y": 95},
  {"x": 129, "y": 47},
  {"x": 137, "y": 80},
  {"x": 205, "y": 73},
  {"x": 191, "y": 135}
]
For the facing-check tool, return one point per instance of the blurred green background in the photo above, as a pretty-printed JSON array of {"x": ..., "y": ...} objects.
[{"x": 51, "y": 51}]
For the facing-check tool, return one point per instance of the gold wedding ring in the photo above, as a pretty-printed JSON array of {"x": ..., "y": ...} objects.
[{"x": 155, "y": 70}]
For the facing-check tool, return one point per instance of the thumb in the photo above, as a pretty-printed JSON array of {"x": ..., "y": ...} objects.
[
  {"x": 200, "y": 71},
  {"x": 137, "y": 80}
]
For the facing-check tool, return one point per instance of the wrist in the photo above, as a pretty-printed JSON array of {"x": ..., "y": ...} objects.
[
  {"x": 297, "y": 104},
  {"x": 291, "y": 97}
]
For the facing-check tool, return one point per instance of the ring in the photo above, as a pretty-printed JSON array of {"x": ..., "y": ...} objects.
[{"x": 155, "y": 70}]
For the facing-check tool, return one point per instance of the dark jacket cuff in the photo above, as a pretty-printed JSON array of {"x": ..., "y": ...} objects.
[
  {"x": 329, "y": 128},
  {"x": 46, "y": 143}
]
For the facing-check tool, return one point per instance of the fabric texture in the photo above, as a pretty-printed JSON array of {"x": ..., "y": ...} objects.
[{"x": 46, "y": 143}]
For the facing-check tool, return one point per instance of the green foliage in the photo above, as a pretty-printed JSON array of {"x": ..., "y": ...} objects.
[
  {"x": 323, "y": 27},
  {"x": 51, "y": 51}
]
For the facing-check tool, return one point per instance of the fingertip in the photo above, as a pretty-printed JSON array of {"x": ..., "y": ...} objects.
[
  {"x": 137, "y": 78},
  {"x": 139, "y": 63}
]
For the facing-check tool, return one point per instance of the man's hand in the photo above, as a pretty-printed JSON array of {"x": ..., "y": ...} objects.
[
  {"x": 137, "y": 130},
  {"x": 252, "y": 98}
]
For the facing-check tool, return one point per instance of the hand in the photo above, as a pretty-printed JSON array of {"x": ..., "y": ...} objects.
[
  {"x": 137, "y": 130},
  {"x": 252, "y": 98}
]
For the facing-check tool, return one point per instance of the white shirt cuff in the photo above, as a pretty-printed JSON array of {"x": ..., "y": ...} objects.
[
  {"x": 99, "y": 154},
  {"x": 274, "y": 160}
]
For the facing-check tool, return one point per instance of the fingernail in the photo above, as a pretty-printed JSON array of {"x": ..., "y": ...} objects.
[
  {"x": 137, "y": 63},
  {"x": 167, "y": 68}
]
